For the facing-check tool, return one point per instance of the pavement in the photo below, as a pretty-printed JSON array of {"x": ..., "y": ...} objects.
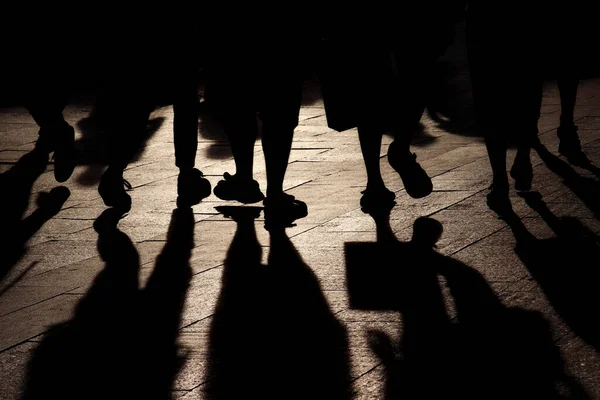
[{"x": 153, "y": 310}]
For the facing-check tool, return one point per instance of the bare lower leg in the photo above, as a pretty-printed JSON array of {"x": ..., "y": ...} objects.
[
  {"x": 567, "y": 86},
  {"x": 242, "y": 132},
  {"x": 370, "y": 146},
  {"x": 277, "y": 145},
  {"x": 496, "y": 149}
]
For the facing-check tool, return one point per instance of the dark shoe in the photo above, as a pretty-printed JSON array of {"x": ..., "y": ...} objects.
[
  {"x": 64, "y": 154},
  {"x": 374, "y": 199},
  {"x": 233, "y": 188},
  {"x": 112, "y": 190},
  {"x": 522, "y": 173},
  {"x": 283, "y": 210},
  {"x": 192, "y": 187},
  {"x": 499, "y": 202},
  {"x": 570, "y": 146},
  {"x": 416, "y": 181}
]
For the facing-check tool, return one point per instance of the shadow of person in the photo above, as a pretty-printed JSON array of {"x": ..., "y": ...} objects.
[
  {"x": 16, "y": 185},
  {"x": 487, "y": 350},
  {"x": 565, "y": 267},
  {"x": 120, "y": 342},
  {"x": 587, "y": 189},
  {"x": 273, "y": 334}
]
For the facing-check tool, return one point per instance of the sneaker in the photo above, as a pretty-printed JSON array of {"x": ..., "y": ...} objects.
[
  {"x": 416, "y": 181},
  {"x": 233, "y": 188},
  {"x": 192, "y": 187}
]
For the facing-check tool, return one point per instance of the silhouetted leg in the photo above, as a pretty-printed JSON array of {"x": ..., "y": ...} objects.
[
  {"x": 376, "y": 194},
  {"x": 370, "y": 146},
  {"x": 130, "y": 115},
  {"x": 567, "y": 85},
  {"x": 569, "y": 144},
  {"x": 46, "y": 102},
  {"x": 279, "y": 115},
  {"x": 192, "y": 187},
  {"x": 411, "y": 100},
  {"x": 527, "y": 110},
  {"x": 242, "y": 131}
]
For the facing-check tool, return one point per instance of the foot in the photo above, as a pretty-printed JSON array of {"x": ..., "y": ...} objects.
[
  {"x": 192, "y": 187},
  {"x": 112, "y": 190},
  {"x": 234, "y": 188},
  {"x": 522, "y": 173},
  {"x": 64, "y": 152},
  {"x": 416, "y": 181},
  {"x": 283, "y": 210},
  {"x": 499, "y": 202},
  {"x": 570, "y": 146},
  {"x": 377, "y": 198}
]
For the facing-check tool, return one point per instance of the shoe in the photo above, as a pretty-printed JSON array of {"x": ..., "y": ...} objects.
[
  {"x": 283, "y": 210},
  {"x": 499, "y": 202},
  {"x": 416, "y": 181},
  {"x": 522, "y": 173},
  {"x": 570, "y": 146},
  {"x": 233, "y": 188},
  {"x": 377, "y": 199},
  {"x": 112, "y": 190},
  {"x": 192, "y": 187},
  {"x": 64, "y": 154}
]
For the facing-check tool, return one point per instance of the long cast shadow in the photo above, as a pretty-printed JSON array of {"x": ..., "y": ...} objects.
[
  {"x": 120, "y": 342},
  {"x": 487, "y": 350},
  {"x": 587, "y": 189},
  {"x": 565, "y": 267},
  {"x": 273, "y": 335},
  {"x": 16, "y": 185}
]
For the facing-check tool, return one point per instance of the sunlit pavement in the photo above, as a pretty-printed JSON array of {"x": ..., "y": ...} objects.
[{"x": 61, "y": 261}]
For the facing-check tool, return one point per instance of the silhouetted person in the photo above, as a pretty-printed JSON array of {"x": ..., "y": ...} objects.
[
  {"x": 504, "y": 53},
  {"x": 134, "y": 87},
  {"x": 120, "y": 342},
  {"x": 16, "y": 185},
  {"x": 487, "y": 350},
  {"x": 571, "y": 30},
  {"x": 374, "y": 77},
  {"x": 256, "y": 70},
  {"x": 564, "y": 266},
  {"x": 273, "y": 334},
  {"x": 45, "y": 77}
]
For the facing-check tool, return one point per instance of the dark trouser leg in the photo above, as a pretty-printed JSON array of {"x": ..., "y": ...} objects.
[
  {"x": 185, "y": 107},
  {"x": 242, "y": 131}
]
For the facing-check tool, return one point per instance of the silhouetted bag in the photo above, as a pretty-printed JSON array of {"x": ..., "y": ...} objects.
[
  {"x": 335, "y": 75},
  {"x": 358, "y": 81}
]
